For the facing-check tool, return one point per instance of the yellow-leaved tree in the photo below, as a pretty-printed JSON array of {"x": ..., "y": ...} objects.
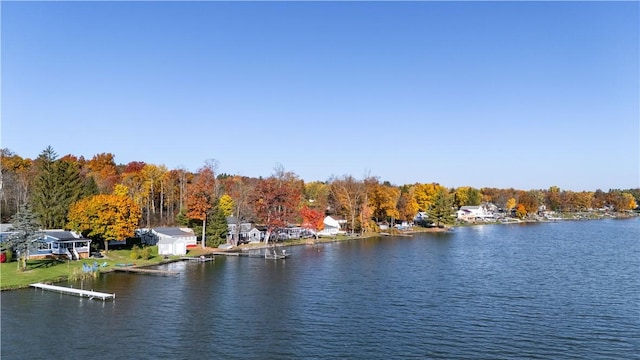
[
  {"x": 226, "y": 205},
  {"x": 383, "y": 201},
  {"x": 467, "y": 196},
  {"x": 425, "y": 194},
  {"x": 106, "y": 216},
  {"x": 407, "y": 205},
  {"x": 631, "y": 201}
]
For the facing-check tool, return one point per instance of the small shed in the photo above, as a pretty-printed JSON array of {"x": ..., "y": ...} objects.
[
  {"x": 172, "y": 246},
  {"x": 255, "y": 235}
]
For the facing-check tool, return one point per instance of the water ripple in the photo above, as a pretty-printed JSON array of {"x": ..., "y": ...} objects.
[{"x": 547, "y": 291}]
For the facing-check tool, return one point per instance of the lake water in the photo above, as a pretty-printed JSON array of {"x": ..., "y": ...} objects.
[{"x": 565, "y": 290}]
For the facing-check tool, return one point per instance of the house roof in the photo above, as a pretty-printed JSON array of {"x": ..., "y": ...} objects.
[
  {"x": 466, "y": 207},
  {"x": 234, "y": 220},
  {"x": 60, "y": 234},
  {"x": 174, "y": 231},
  {"x": 329, "y": 221}
]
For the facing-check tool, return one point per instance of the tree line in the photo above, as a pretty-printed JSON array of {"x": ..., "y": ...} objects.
[{"x": 106, "y": 201}]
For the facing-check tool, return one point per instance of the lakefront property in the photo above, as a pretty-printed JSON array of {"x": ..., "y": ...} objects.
[
  {"x": 56, "y": 244},
  {"x": 142, "y": 206}
]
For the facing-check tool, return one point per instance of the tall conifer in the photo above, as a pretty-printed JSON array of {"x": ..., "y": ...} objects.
[
  {"x": 441, "y": 210},
  {"x": 57, "y": 185},
  {"x": 25, "y": 229}
]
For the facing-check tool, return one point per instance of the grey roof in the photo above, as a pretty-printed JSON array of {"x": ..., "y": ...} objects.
[
  {"x": 5, "y": 227},
  {"x": 60, "y": 234},
  {"x": 172, "y": 231},
  {"x": 470, "y": 207}
]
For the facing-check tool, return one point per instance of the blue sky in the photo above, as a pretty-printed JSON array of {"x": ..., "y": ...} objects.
[{"x": 485, "y": 94}]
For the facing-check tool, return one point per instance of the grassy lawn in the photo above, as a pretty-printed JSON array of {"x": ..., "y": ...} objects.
[{"x": 51, "y": 270}]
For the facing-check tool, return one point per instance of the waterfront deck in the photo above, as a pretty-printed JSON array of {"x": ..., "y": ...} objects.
[{"x": 77, "y": 292}]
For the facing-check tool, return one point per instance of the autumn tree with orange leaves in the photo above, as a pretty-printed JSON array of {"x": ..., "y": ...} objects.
[
  {"x": 104, "y": 170},
  {"x": 105, "y": 217},
  {"x": 312, "y": 219},
  {"x": 276, "y": 200}
]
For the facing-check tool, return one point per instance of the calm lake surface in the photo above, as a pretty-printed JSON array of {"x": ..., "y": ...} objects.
[{"x": 565, "y": 290}]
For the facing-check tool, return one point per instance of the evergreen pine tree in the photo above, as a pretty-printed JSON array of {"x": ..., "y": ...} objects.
[
  {"x": 90, "y": 187},
  {"x": 42, "y": 195},
  {"x": 441, "y": 210},
  {"x": 70, "y": 185},
  {"x": 25, "y": 231},
  {"x": 57, "y": 185},
  {"x": 217, "y": 226}
]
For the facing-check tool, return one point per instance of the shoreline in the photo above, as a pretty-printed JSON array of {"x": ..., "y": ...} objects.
[
  {"x": 323, "y": 240},
  {"x": 196, "y": 252},
  {"x": 208, "y": 251}
]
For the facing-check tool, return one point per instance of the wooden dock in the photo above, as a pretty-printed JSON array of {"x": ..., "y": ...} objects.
[
  {"x": 136, "y": 270},
  {"x": 198, "y": 258},
  {"x": 77, "y": 292},
  {"x": 229, "y": 253},
  {"x": 267, "y": 255}
]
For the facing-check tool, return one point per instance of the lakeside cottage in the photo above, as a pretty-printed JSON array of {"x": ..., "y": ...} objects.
[
  {"x": 242, "y": 232},
  {"x": 60, "y": 244},
  {"x": 331, "y": 227},
  {"x": 475, "y": 213}
]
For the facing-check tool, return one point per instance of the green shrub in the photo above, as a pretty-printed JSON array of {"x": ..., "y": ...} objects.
[
  {"x": 135, "y": 253},
  {"x": 145, "y": 253},
  {"x": 9, "y": 254}
]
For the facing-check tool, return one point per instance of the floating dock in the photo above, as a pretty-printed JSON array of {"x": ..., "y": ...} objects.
[{"x": 78, "y": 292}]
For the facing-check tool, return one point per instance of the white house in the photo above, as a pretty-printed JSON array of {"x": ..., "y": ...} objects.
[
  {"x": 172, "y": 246},
  {"x": 473, "y": 213},
  {"x": 331, "y": 227}
]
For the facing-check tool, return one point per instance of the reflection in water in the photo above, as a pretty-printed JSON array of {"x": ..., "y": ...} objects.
[{"x": 558, "y": 290}]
